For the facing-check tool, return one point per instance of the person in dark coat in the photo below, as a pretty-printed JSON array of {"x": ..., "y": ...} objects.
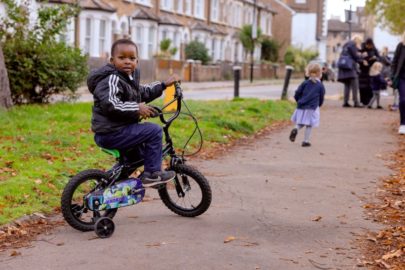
[
  {"x": 377, "y": 82},
  {"x": 370, "y": 55},
  {"x": 398, "y": 75},
  {"x": 349, "y": 76}
]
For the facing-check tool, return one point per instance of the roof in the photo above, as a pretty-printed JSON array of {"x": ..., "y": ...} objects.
[
  {"x": 169, "y": 20},
  {"x": 339, "y": 26},
  {"x": 201, "y": 26},
  {"x": 142, "y": 14},
  {"x": 217, "y": 30},
  {"x": 88, "y": 4}
]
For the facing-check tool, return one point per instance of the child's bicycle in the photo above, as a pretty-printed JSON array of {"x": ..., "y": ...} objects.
[{"x": 91, "y": 198}]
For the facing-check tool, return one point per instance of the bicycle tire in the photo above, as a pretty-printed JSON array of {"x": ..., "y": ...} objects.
[{"x": 203, "y": 184}]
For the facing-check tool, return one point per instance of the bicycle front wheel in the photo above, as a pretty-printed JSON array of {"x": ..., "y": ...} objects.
[{"x": 189, "y": 194}]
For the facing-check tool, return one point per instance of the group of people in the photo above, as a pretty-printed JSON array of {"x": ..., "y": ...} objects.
[{"x": 363, "y": 70}]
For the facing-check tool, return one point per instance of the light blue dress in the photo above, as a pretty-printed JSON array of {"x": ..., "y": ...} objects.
[{"x": 307, "y": 117}]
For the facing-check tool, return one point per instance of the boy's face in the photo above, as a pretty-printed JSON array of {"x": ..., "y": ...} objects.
[{"x": 125, "y": 58}]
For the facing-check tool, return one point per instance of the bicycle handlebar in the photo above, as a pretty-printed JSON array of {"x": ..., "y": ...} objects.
[{"x": 178, "y": 96}]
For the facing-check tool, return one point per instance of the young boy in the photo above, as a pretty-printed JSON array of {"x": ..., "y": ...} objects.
[{"x": 119, "y": 106}]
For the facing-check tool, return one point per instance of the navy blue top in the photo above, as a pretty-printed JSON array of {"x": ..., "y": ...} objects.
[
  {"x": 378, "y": 82},
  {"x": 310, "y": 95}
]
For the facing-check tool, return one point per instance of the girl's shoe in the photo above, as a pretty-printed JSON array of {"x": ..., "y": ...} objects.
[
  {"x": 305, "y": 144},
  {"x": 293, "y": 134},
  {"x": 380, "y": 107}
]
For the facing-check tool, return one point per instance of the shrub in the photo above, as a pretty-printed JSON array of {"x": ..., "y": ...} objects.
[
  {"x": 197, "y": 51},
  {"x": 299, "y": 58},
  {"x": 38, "y": 65},
  {"x": 270, "y": 49}
]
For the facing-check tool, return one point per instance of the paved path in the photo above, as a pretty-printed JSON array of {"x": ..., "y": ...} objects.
[
  {"x": 263, "y": 89},
  {"x": 267, "y": 194}
]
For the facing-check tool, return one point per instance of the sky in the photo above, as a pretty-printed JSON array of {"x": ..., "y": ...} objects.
[{"x": 337, "y": 7}]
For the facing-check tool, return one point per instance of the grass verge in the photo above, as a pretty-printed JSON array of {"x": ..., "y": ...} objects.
[{"x": 42, "y": 146}]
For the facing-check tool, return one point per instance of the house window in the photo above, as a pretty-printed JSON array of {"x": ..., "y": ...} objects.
[
  {"x": 144, "y": 2},
  {"x": 214, "y": 10},
  {"x": 300, "y": 1},
  {"x": 180, "y": 6},
  {"x": 102, "y": 37},
  {"x": 187, "y": 7},
  {"x": 166, "y": 4},
  {"x": 151, "y": 39},
  {"x": 87, "y": 38},
  {"x": 199, "y": 8},
  {"x": 213, "y": 49},
  {"x": 138, "y": 39},
  {"x": 164, "y": 34}
]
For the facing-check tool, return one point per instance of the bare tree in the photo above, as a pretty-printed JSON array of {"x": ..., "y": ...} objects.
[{"x": 5, "y": 94}]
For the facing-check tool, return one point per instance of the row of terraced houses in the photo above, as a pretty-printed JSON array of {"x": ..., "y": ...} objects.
[{"x": 216, "y": 23}]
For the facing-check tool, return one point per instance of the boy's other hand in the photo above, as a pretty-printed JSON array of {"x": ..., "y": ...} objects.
[
  {"x": 172, "y": 79},
  {"x": 146, "y": 111}
]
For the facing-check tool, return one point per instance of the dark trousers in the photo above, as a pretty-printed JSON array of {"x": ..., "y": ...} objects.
[
  {"x": 401, "y": 91},
  {"x": 147, "y": 136},
  {"x": 352, "y": 84}
]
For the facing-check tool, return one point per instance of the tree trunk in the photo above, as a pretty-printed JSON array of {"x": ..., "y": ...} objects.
[{"x": 5, "y": 94}]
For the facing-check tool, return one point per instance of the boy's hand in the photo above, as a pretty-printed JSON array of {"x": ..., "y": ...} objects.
[
  {"x": 172, "y": 79},
  {"x": 146, "y": 111}
]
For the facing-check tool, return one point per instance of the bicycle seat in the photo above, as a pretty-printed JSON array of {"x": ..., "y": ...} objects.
[{"x": 114, "y": 152}]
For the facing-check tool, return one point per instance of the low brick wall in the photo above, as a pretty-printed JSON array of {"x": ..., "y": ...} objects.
[{"x": 159, "y": 69}]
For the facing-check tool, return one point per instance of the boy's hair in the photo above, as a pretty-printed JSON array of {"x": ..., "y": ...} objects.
[
  {"x": 313, "y": 71},
  {"x": 376, "y": 69},
  {"x": 120, "y": 42}
]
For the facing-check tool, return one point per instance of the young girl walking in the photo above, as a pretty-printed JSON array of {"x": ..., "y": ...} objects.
[
  {"x": 378, "y": 83},
  {"x": 309, "y": 97}
]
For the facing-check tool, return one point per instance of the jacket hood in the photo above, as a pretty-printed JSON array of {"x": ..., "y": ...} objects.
[{"x": 99, "y": 74}]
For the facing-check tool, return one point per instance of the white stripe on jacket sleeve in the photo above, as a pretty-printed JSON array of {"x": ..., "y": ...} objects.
[{"x": 115, "y": 101}]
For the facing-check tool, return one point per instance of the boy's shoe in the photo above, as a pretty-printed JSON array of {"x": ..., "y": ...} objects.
[
  {"x": 380, "y": 107},
  {"x": 401, "y": 130},
  {"x": 293, "y": 134},
  {"x": 305, "y": 144},
  {"x": 157, "y": 178},
  {"x": 346, "y": 105},
  {"x": 369, "y": 106}
]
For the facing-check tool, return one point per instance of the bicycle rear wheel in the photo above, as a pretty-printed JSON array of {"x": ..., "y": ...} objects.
[
  {"x": 74, "y": 208},
  {"x": 189, "y": 195}
]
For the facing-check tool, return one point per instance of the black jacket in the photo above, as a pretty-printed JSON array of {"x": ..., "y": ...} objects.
[
  {"x": 117, "y": 97},
  {"x": 310, "y": 95},
  {"x": 398, "y": 63}
]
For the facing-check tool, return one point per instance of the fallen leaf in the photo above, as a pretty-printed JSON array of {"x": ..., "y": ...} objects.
[
  {"x": 391, "y": 255},
  {"x": 229, "y": 239},
  {"x": 317, "y": 218},
  {"x": 15, "y": 253},
  {"x": 382, "y": 263}
]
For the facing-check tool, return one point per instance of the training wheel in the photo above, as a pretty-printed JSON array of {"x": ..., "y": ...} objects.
[{"x": 104, "y": 227}]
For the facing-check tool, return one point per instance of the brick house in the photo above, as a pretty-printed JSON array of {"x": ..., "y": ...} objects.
[{"x": 338, "y": 35}]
